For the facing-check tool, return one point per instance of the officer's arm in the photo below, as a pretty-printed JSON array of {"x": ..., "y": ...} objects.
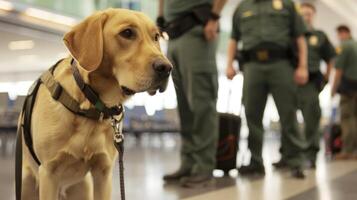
[
  {"x": 302, "y": 51},
  {"x": 161, "y": 7},
  {"x": 329, "y": 64},
  {"x": 231, "y": 52},
  {"x": 301, "y": 75},
  {"x": 211, "y": 27},
  {"x": 217, "y": 6},
  {"x": 336, "y": 81}
]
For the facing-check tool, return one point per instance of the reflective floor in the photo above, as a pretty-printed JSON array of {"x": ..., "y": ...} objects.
[{"x": 149, "y": 157}]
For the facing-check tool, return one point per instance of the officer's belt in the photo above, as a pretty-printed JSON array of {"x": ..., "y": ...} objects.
[
  {"x": 347, "y": 86},
  {"x": 265, "y": 55}
]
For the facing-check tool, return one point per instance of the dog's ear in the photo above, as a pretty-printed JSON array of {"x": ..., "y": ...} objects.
[{"x": 85, "y": 41}]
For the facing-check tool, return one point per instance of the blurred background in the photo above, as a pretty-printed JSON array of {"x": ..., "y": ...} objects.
[{"x": 31, "y": 41}]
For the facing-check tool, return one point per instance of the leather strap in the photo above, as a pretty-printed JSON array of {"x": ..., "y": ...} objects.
[
  {"x": 18, "y": 164},
  {"x": 92, "y": 96},
  {"x": 58, "y": 93}
]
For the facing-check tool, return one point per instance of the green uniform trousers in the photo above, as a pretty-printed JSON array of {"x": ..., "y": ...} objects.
[
  {"x": 196, "y": 84},
  {"x": 308, "y": 103},
  {"x": 276, "y": 78},
  {"x": 348, "y": 104}
]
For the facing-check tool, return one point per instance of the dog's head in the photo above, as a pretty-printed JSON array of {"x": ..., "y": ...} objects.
[{"x": 125, "y": 40}]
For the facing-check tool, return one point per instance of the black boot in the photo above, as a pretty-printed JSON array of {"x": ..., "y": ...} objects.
[
  {"x": 252, "y": 170},
  {"x": 197, "y": 180},
  {"x": 281, "y": 164},
  {"x": 176, "y": 176},
  {"x": 297, "y": 172}
]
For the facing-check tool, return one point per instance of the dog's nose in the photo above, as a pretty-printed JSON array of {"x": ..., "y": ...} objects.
[{"x": 162, "y": 68}]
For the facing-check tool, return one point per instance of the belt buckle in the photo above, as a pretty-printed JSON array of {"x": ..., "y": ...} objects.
[{"x": 262, "y": 55}]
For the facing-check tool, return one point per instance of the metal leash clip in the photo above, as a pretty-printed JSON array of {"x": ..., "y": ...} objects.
[{"x": 117, "y": 127}]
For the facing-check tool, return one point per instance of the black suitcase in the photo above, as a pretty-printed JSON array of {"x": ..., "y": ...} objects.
[
  {"x": 333, "y": 135},
  {"x": 228, "y": 144},
  {"x": 333, "y": 140}
]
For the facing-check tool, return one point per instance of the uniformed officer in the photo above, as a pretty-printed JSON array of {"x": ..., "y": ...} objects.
[
  {"x": 319, "y": 48},
  {"x": 267, "y": 30},
  {"x": 345, "y": 82},
  {"x": 193, "y": 29}
]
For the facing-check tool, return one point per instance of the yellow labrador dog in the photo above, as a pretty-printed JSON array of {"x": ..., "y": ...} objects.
[{"x": 118, "y": 54}]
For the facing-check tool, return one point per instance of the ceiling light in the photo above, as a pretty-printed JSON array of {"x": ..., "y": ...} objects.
[
  {"x": 21, "y": 45},
  {"x": 28, "y": 58},
  {"x": 5, "y": 5},
  {"x": 48, "y": 16}
]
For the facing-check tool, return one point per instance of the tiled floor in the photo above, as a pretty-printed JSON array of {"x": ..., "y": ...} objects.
[{"x": 148, "y": 159}]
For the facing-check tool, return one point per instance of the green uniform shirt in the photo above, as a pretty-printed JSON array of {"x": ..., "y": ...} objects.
[
  {"x": 319, "y": 48},
  {"x": 347, "y": 59},
  {"x": 271, "y": 21},
  {"x": 177, "y": 8}
]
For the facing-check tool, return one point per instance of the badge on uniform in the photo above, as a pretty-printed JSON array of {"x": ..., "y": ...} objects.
[
  {"x": 247, "y": 14},
  {"x": 277, "y": 4},
  {"x": 313, "y": 40}
]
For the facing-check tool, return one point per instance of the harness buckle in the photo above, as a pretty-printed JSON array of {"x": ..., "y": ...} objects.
[{"x": 57, "y": 91}]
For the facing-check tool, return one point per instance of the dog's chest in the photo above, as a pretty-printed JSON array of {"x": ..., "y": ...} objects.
[{"x": 88, "y": 140}]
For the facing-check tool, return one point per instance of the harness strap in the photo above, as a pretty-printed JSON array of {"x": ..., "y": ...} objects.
[
  {"x": 92, "y": 96},
  {"x": 58, "y": 93},
  {"x": 18, "y": 164}
]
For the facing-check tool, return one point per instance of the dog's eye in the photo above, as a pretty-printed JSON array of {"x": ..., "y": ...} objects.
[
  {"x": 157, "y": 37},
  {"x": 127, "y": 33}
]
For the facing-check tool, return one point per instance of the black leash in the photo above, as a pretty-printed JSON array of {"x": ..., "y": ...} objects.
[
  {"x": 119, "y": 145},
  {"x": 93, "y": 97}
]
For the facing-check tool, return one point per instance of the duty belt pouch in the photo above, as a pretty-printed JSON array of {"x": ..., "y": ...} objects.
[
  {"x": 178, "y": 27},
  {"x": 202, "y": 13},
  {"x": 241, "y": 57},
  {"x": 318, "y": 80},
  {"x": 199, "y": 15}
]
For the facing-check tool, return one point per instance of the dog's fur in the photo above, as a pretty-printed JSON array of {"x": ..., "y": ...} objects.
[{"x": 77, "y": 154}]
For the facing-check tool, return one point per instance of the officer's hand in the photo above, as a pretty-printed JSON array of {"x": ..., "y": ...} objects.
[
  {"x": 230, "y": 72},
  {"x": 301, "y": 75},
  {"x": 211, "y": 30}
]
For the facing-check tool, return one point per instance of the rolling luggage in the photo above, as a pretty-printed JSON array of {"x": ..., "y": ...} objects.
[
  {"x": 228, "y": 144},
  {"x": 333, "y": 135}
]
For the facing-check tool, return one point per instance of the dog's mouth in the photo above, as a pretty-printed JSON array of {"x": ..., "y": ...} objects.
[
  {"x": 127, "y": 91},
  {"x": 161, "y": 87}
]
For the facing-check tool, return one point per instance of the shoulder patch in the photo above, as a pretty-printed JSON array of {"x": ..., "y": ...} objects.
[
  {"x": 338, "y": 50},
  {"x": 247, "y": 13},
  {"x": 297, "y": 7},
  {"x": 277, "y": 4}
]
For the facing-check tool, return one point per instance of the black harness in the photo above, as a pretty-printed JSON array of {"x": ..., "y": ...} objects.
[{"x": 98, "y": 112}]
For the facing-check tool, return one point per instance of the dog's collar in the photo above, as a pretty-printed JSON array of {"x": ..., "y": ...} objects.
[{"x": 93, "y": 97}]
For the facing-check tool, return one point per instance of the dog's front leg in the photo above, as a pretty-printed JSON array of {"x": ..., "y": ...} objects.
[
  {"x": 49, "y": 186},
  {"x": 102, "y": 178}
]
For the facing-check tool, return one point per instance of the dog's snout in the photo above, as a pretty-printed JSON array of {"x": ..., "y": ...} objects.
[{"x": 162, "y": 68}]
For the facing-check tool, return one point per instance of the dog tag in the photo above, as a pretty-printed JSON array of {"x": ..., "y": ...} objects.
[
  {"x": 277, "y": 4},
  {"x": 118, "y": 130}
]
